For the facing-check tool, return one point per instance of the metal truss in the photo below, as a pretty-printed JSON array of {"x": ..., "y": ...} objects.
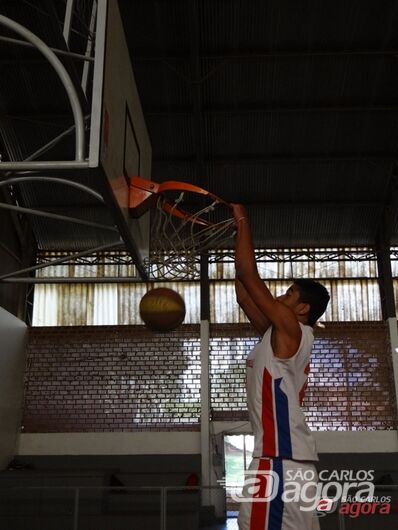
[
  {"x": 104, "y": 258},
  {"x": 227, "y": 256},
  {"x": 304, "y": 255},
  {"x": 59, "y": 261}
]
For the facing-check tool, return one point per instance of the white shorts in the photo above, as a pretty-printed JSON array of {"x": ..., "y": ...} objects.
[{"x": 275, "y": 514}]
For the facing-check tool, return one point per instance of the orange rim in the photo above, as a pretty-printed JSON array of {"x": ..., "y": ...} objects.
[{"x": 150, "y": 190}]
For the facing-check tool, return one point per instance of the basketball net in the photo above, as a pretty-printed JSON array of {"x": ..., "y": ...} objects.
[{"x": 178, "y": 241}]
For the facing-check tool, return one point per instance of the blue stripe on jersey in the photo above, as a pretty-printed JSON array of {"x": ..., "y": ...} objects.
[
  {"x": 282, "y": 420},
  {"x": 275, "y": 516}
]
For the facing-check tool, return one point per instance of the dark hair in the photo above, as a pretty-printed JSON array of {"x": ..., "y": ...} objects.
[{"x": 314, "y": 294}]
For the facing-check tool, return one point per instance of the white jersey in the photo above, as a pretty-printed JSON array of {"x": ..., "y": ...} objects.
[{"x": 275, "y": 390}]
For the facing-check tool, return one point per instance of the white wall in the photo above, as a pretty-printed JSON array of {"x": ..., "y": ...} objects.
[
  {"x": 109, "y": 443},
  {"x": 189, "y": 442},
  {"x": 12, "y": 366}
]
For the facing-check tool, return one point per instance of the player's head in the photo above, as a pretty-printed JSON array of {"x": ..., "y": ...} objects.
[{"x": 315, "y": 295}]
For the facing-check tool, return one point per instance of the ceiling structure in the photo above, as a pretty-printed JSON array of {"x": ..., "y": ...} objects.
[
  {"x": 64, "y": 196},
  {"x": 288, "y": 107},
  {"x": 36, "y": 123}
]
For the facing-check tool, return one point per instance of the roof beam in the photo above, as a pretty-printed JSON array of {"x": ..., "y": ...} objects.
[
  {"x": 266, "y": 109},
  {"x": 315, "y": 203},
  {"x": 257, "y": 55},
  {"x": 280, "y": 158}
]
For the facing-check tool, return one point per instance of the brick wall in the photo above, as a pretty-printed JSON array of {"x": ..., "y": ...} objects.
[
  {"x": 350, "y": 385},
  {"x": 87, "y": 379}
]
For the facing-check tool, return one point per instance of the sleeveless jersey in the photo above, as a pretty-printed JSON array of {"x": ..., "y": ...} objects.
[{"x": 275, "y": 390}]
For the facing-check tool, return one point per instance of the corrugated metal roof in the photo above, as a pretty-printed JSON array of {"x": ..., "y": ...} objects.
[
  {"x": 288, "y": 107},
  {"x": 295, "y": 227}
]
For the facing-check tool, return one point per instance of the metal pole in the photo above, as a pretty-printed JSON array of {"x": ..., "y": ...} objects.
[
  {"x": 80, "y": 279},
  {"x": 68, "y": 20},
  {"x": 163, "y": 508},
  {"x": 76, "y": 510},
  {"x": 55, "y": 50},
  {"x": 89, "y": 47},
  {"x": 97, "y": 81},
  {"x": 47, "y": 164},
  {"x": 57, "y": 217},
  {"x": 62, "y": 74},
  {"x": 64, "y": 258},
  {"x": 71, "y": 183}
]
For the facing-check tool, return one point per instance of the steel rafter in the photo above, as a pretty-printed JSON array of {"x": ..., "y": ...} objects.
[
  {"x": 61, "y": 260},
  {"x": 57, "y": 217},
  {"x": 268, "y": 109},
  {"x": 258, "y": 55},
  {"x": 283, "y": 256},
  {"x": 26, "y": 44},
  {"x": 136, "y": 279},
  {"x": 227, "y": 256},
  {"x": 278, "y": 158},
  {"x": 104, "y": 258}
]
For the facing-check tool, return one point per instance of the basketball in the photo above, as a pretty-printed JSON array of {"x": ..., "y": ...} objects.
[{"x": 162, "y": 309}]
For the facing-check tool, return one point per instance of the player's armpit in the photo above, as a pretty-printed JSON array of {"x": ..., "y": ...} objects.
[{"x": 285, "y": 346}]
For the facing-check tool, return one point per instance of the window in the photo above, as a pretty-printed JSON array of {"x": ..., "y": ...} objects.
[{"x": 352, "y": 283}]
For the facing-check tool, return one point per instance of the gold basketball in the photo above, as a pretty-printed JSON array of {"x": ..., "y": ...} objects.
[{"x": 162, "y": 309}]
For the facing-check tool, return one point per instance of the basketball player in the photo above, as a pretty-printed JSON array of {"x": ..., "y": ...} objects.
[{"x": 277, "y": 372}]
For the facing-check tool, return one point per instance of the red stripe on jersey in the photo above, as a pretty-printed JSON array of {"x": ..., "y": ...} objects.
[
  {"x": 302, "y": 393},
  {"x": 267, "y": 415},
  {"x": 304, "y": 387},
  {"x": 260, "y": 510}
]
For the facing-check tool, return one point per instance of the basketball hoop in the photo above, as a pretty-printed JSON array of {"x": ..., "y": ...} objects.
[{"x": 187, "y": 221}]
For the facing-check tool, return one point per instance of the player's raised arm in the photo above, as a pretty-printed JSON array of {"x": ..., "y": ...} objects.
[
  {"x": 259, "y": 321},
  {"x": 280, "y": 315}
]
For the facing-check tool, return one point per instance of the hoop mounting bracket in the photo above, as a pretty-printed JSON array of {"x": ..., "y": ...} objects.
[{"x": 143, "y": 195}]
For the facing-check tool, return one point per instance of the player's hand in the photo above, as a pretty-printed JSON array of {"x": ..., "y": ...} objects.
[{"x": 239, "y": 212}]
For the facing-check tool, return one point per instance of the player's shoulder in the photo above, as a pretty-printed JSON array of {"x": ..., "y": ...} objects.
[
  {"x": 305, "y": 328},
  {"x": 307, "y": 340}
]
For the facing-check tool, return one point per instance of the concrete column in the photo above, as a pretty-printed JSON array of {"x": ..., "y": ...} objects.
[
  {"x": 388, "y": 300},
  {"x": 393, "y": 330},
  {"x": 12, "y": 368},
  {"x": 204, "y": 379}
]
